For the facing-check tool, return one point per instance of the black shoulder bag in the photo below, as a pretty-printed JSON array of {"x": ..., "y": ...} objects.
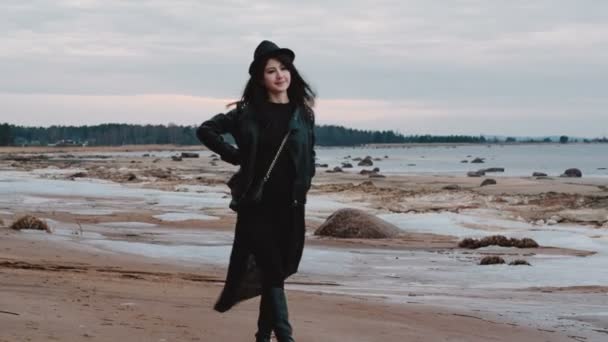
[{"x": 254, "y": 195}]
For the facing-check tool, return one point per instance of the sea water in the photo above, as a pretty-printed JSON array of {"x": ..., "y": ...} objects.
[{"x": 517, "y": 160}]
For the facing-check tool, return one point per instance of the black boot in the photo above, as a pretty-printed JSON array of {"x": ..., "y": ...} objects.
[
  {"x": 280, "y": 316},
  {"x": 264, "y": 320}
]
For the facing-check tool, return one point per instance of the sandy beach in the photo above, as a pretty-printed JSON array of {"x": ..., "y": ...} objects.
[{"x": 140, "y": 242}]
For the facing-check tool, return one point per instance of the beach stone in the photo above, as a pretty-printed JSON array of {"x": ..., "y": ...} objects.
[
  {"x": 556, "y": 218},
  {"x": 601, "y": 168},
  {"x": 464, "y": 161},
  {"x": 488, "y": 181},
  {"x": 519, "y": 262},
  {"x": 367, "y": 161},
  {"x": 539, "y": 222},
  {"x": 452, "y": 187},
  {"x": 131, "y": 177},
  {"x": 145, "y": 155},
  {"x": 377, "y": 159},
  {"x": 160, "y": 173},
  {"x": 78, "y": 175},
  {"x": 335, "y": 169},
  {"x": 605, "y": 225},
  {"x": 475, "y": 173},
  {"x": 572, "y": 173},
  {"x": 321, "y": 165},
  {"x": 494, "y": 169},
  {"x": 497, "y": 240},
  {"x": 357, "y": 159},
  {"x": 366, "y": 172},
  {"x": 539, "y": 174},
  {"x": 347, "y": 165},
  {"x": 189, "y": 155},
  {"x": 551, "y": 222},
  {"x": 478, "y": 160},
  {"x": 492, "y": 260},
  {"x": 376, "y": 175},
  {"x": 385, "y": 157},
  {"x": 30, "y": 222},
  {"x": 355, "y": 223},
  {"x": 347, "y": 157},
  {"x": 176, "y": 158}
]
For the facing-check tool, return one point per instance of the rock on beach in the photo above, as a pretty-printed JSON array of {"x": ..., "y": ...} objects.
[{"x": 355, "y": 223}]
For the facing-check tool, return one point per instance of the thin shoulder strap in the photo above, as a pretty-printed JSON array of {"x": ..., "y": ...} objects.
[{"x": 276, "y": 156}]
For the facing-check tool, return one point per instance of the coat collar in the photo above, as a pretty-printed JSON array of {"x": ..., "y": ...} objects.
[{"x": 294, "y": 123}]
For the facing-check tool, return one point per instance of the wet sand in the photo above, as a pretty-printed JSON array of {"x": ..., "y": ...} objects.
[{"x": 55, "y": 294}]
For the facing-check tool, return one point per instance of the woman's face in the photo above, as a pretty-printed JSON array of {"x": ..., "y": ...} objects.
[{"x": 276, "y": 77}]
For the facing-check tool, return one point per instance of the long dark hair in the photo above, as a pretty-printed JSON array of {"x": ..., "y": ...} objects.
[{"x": 299, "y": 92}]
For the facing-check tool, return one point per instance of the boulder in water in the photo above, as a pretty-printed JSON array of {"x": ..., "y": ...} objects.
[
  {"x": 367, "y": 161},
  {"x": 494, "y": 169},
  {"x": 475, "y": 173},
  {"x": 572, "y": 173},
  {"x": 519, "y": 262},
  {"x": 492, "y": 260}
]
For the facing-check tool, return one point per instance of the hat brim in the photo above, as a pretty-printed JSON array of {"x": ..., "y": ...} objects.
[{"x": 274, "y": 53}]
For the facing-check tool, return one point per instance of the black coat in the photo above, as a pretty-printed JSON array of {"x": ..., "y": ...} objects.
[{"x": 243, "y": 279}]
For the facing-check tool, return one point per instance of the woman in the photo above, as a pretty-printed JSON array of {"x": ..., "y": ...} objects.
[{"x": 273, "y": 127}]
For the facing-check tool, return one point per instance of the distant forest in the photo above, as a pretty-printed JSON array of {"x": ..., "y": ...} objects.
[{"x": 124, "y": 134}]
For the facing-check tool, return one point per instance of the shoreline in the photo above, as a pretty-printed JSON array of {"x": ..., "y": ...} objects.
[{"x": 169, "y": 147}]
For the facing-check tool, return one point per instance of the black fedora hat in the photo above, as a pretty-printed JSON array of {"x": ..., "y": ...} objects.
[{"x": 268, "y": 49}]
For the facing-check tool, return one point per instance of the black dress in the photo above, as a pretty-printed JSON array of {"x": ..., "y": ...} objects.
[
  {"x": 272, "y": 220},
  {"x": 264, "y": 254}
]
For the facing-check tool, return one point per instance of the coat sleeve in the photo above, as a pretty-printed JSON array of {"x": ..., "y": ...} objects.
[{"x": 210, "y": 134}]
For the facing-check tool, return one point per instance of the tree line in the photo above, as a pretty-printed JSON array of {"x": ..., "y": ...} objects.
[{"x": 127, "y": 134}]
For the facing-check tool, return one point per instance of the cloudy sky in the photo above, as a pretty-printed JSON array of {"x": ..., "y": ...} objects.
[{"x": 506, "y": 67}]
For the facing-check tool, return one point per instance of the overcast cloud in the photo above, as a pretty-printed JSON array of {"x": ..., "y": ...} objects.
[{"x": 441, "y": 67}]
